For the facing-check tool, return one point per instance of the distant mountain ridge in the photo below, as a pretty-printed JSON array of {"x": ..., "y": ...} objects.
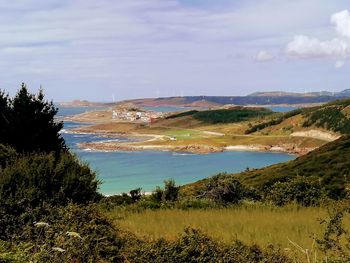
[
  {"x": 260, "y": 98},
  {"x": 257, "y": 98},
  {"x": 344, "y": 93}
]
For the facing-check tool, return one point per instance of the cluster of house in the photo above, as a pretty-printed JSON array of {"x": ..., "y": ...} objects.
[{"x": 130, "y": 115}]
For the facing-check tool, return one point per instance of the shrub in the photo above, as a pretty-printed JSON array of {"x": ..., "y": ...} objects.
[
  {"x": 67, "y": 234},
  {"x": 225, "y": 189},
  {"x": 194, "y": 203},
  {"x": 31, "y": 180},
  {"x": 195, "y": 246},
  {"x": 302, "y": 190},
  {"x": 169, "y": 193}
]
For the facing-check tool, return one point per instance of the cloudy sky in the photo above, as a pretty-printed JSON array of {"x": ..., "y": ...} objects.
[{"x": 90, "y": 49}]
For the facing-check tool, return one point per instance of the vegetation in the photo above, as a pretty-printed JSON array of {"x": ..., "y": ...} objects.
[
  {"x": 330, "y": 118},
  {"x": 251, "y": 223},
  {"x": 224, "y": 115},
  {"x": 326, "y": 172},
  {"x": 27, "y": 123},
  {"x": 50, "y": 210},
  {"x": 301, "y": 190},
  {"x": 182, "y": 114},
  {"x": 229, "y": 115},
  {"x": 194, "y": 246},
  {"x": 40, "y": 178},
  {"x": 274, "y": 121},
  {"x": 333, "y": 116}
]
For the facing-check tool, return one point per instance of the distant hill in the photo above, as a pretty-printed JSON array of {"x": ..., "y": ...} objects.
[
  {"x": 344, "y": 93},
  {"x": 293, "y": 94},
  {"x": 83, "y": 103},
  {"x": 258, "y": 98}
]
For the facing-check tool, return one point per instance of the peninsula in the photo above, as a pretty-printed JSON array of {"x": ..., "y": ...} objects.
[{"x": 218, "y": 129}]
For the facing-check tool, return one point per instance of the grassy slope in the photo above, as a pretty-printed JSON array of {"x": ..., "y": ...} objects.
[
  {"x": 333, "y": 117},
  {"x": 330, "y": 162},
  {"x": 253, "y": 225},
  {"x": 236, "y": 114}
]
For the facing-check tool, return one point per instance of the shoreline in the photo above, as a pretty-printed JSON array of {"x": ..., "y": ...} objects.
[
  {"x": 115, "y": 146},
  {"x": 145, "y": 142}
]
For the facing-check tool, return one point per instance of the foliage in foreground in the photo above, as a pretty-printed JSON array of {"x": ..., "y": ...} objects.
[
  {"x": 27, "y": 123},
  {"x": 195, "y": 246},
  {"x": 31, "y": 181},
  {"x": 62, "y": 234}
]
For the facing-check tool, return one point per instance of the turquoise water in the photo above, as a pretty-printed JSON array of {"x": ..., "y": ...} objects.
[
  {"x": 123, "y": 171},
  {"x": 69, "y": 111},
  {"x": 282, "y": 108}
]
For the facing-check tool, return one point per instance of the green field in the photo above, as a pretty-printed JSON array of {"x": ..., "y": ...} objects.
[
  {"x": 184, "y": 134},
  {"x": 260, "y": 225}
]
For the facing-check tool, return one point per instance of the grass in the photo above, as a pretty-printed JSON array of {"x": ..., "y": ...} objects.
[
  {"x": 251, "y": 224},
  {"x": 184, "y": 134},
  {"x": 230, "y": 115}
]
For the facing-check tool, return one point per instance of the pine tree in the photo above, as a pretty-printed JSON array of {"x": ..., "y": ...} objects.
[{"x": 29, "y": 123}]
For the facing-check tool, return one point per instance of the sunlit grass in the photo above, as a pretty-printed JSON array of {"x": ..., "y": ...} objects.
[
  {"x": 258, "y": 225},
  {"x": 184, "y": 134}
]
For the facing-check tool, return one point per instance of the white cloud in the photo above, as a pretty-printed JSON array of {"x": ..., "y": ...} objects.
[
  {"x": 341, "y": 20},
  {"x": 264, "y": 56},
  {"x": 339, "y": 64},
  {"x": 310, "y": 47},
  {"x": 84, "y": 44}
]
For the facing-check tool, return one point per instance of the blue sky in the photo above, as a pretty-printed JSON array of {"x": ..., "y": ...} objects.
[{"x": 90, "y": 49}]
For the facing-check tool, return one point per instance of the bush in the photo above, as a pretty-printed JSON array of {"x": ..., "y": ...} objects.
[
  {"x": 7, "y": 154},
  {"x": 110, "y": 202},
  {"x": 196, "y": 204},
  {"x": 30, "y": 180},
  {"x": 65, "y": 234},
  {"x": 194, "y": 246},
  {"x": 302, "y": 190},
  {"x": 168, "y": 194},
  {"x": 223, "y": 188}
]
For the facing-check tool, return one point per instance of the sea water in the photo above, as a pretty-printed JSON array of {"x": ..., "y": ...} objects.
[{"x": 123, "y": 171}]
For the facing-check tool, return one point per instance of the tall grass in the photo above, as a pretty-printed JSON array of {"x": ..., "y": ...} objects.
[{"x": 257, "y": 225}]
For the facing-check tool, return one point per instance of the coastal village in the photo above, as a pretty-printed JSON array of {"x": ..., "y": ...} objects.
[
  {"x": 119, "y": 113},
  {"x": 134, "y": 115}
]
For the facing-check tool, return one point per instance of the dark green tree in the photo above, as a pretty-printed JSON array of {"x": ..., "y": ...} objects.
[
  {"x": 28, "y": 123},
  {"x": 4, "y": 115}
]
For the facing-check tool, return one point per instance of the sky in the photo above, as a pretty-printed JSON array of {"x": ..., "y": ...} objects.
[{"x": 97, "y": 50}]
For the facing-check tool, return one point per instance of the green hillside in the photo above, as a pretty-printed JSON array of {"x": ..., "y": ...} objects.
[
  {"x": 330, "y": 163},
  {"x": 333, "y": 116},
  {"x": 233, "y": 115}
]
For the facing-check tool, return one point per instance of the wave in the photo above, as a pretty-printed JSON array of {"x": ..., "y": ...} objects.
[{"x": 183, "y": 154}]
